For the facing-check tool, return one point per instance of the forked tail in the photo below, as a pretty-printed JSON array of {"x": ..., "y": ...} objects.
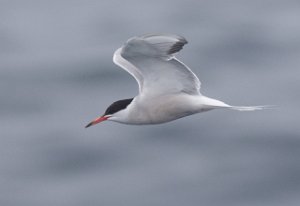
[
  {"x": 214, "y": 103},
  {"x": 251, "y": 108}
]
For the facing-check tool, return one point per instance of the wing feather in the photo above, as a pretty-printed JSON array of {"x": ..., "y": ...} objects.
[
  {"x": 150, "y": 60},
  {"x": 127, "y": 66}
]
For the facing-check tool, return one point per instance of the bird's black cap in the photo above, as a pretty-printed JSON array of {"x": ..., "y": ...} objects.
[{"x": 117, "y": 106}]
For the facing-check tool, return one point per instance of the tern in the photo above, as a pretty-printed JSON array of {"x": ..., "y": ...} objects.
[{"x": 168, "y": 89}]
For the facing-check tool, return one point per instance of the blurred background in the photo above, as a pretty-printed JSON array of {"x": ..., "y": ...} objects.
[{"x": 57, "y": 74}]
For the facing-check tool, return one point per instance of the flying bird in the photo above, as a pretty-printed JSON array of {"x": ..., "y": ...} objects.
[{"x": 168, "y": 89}]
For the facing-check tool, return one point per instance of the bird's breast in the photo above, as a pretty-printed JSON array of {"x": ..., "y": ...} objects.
[{"x": 161, "y": 109}]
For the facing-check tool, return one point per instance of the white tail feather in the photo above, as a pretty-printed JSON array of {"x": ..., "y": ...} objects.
[
  {"x": 250, "y": 108},
  {"x": 214, "y": 103}
]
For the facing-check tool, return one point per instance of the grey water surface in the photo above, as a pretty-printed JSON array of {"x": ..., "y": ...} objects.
[{"x": 57, "y": 74}]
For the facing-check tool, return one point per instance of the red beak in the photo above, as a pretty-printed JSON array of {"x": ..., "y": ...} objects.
[{"x": 96, "y": 121}]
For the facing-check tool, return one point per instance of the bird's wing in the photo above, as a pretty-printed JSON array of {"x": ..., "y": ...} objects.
[{"x": 150, "y": 60}]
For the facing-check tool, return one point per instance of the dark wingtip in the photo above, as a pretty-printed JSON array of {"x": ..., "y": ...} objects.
[{"x": 90, "y": 124}]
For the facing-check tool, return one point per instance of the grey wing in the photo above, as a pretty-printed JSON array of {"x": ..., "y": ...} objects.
[
  {"x": 150, "y": 59},
  {"x": 154, "y": 45},
  {"x": 129, "y": 67}
]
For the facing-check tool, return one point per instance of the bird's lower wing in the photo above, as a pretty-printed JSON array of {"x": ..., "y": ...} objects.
[
  {"x": 162, "y": 76},
  {"x": 150, "y": 60}
]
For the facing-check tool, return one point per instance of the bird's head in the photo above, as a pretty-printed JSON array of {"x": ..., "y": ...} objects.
[{"x": 111, "y": 111}]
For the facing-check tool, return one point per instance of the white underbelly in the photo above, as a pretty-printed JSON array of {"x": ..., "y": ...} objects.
[{"x": 164, "y": 109}]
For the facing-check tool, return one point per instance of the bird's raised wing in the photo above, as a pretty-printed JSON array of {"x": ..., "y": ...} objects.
[{"x": 150, "y": 60}]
